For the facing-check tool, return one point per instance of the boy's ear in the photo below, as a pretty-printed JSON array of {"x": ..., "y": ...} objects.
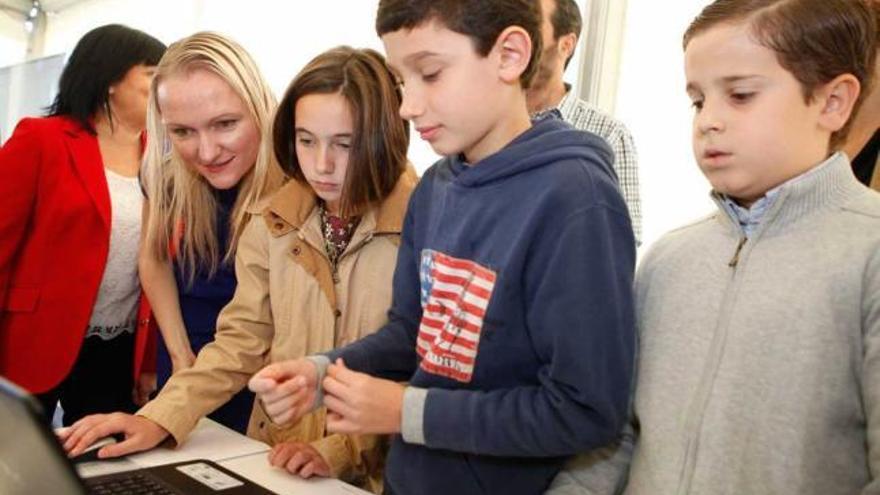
[
  {"x": 838, "y": 97},
  {"x": 515, "y": 49},
  {"x": 568, "y": 43}
]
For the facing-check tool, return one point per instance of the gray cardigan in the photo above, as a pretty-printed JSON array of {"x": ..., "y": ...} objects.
[{"x": 759, "y": 371}]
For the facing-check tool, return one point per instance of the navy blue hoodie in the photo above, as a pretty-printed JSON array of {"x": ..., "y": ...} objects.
[{"x": 512, "y": 304}]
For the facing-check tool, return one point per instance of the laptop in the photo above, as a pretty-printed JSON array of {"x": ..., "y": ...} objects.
[{"x": 32, "y": 460}]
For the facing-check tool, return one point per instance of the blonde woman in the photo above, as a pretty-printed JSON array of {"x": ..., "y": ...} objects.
[
  {"x": 210, "y": 103},
  {"x": 314, "y": 269}
]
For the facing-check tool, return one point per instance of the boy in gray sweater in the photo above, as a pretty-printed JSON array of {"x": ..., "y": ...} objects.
[{"x": 759, "y": 360}]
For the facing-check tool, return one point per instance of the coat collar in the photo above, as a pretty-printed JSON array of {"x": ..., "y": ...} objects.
[
  {"x": 291, "y": 206},
  {"x": 88, "y": 165}
]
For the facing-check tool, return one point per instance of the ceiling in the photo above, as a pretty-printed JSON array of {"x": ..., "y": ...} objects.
[{"x": 23, "y": 6}]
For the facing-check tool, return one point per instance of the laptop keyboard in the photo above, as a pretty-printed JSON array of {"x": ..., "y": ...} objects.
[{"x": 127, "y": 484}]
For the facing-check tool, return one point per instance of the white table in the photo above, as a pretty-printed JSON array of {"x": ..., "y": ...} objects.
[
  {"x": 256, "y": 468},
  {"x": 230, "y": 449}
]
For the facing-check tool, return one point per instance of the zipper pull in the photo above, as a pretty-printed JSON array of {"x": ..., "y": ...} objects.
[{"x": 733, "y": 261}]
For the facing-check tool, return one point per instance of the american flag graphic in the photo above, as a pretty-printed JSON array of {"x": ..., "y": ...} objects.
[{"x": 454, "y": 294}]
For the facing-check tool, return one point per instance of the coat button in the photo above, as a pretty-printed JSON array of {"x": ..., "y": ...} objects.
[
  {"x": 337, "y": 313},
  {"x": 262, "y": 424},
  {"x": 296, "y": 250},
  {"x": 279, "y": 225}
]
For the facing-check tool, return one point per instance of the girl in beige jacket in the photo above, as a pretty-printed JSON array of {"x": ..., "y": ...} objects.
[{"x": 314, "y": 268}]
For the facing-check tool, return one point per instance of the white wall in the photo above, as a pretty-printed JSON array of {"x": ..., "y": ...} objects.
[
  {"x": 167, "y": 20},
  {"x": 651, "y": 100},
  {"x": 27, "y": 89},
  {"x": 13, "y": 40}
]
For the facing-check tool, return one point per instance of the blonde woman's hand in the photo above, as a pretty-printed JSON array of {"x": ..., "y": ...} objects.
[{"x": 140, "y": 434}]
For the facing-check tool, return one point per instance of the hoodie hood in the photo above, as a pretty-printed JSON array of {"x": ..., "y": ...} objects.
[{"x": 549, "y": 140}]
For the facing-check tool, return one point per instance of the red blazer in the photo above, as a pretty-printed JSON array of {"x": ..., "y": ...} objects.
[{"x": 54, "y": 240}]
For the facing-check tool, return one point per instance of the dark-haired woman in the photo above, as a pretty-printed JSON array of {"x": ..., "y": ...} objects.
[{"x": 70, "y": 229}]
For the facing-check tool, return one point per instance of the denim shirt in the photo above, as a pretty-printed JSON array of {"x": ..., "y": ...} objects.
[{"x": 750, "y": 218}]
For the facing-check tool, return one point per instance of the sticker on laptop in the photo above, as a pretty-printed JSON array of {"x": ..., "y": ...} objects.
[{"x": 211, "y": 477}]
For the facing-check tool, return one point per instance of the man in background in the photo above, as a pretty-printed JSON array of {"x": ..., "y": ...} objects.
[{"x": 561, "y": 28}]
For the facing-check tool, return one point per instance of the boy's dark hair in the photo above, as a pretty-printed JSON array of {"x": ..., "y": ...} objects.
[
  {"x": 815, "y": 40},
  {"x": 380, "y": 139},
  {"x": 566, "y": 19},
  {"x": 481, "y": 20},
  {"x": 100, "y": 59}
]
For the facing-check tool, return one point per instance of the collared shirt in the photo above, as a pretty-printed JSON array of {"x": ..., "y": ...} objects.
[
  {"x": 583, "y": 116},
  {"x": 749, "y": 218}
]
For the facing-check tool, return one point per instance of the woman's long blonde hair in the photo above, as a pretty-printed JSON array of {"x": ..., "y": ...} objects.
[{"x": 182, "y": 207}]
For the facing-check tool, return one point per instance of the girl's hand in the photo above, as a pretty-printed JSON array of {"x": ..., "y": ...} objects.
[{"x": 300, "y": 459}]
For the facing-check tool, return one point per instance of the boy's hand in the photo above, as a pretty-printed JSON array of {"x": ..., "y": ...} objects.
[
  {"x": 140, "y": 434},
  {"x": 287, "y": 389},
  {"x": 359, "y": 403},
  {"x": 300, "y": 459}
]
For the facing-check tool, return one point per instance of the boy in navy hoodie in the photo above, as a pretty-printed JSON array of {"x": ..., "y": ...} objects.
[{"x": 512, "y": 314}]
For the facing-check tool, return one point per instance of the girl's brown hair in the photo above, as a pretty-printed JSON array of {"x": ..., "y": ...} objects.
[{"x": 381, "y": 137}]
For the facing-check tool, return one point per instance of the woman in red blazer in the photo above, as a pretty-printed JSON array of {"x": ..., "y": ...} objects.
[{"x": 70, "y": 227}]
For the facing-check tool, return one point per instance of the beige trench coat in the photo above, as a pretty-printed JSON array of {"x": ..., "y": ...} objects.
[{"x": 290, "y": 303}]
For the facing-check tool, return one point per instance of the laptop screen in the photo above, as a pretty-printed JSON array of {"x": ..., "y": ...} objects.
[{"x": 31, "y": 460}]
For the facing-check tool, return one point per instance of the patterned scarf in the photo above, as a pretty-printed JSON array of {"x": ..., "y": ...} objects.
[{"x": 337, "y": 233}]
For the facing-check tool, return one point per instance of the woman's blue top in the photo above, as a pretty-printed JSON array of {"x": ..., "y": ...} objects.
[{"x": 200, "y": 304}]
